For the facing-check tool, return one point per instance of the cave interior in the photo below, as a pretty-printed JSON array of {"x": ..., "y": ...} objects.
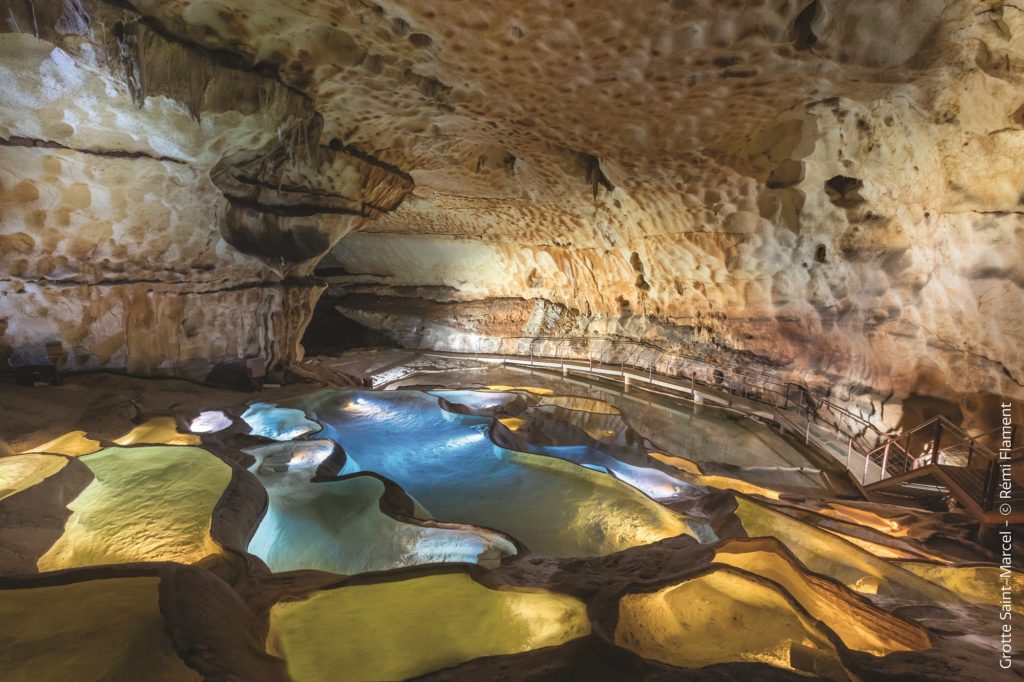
[{"x": 513, "y": 340}]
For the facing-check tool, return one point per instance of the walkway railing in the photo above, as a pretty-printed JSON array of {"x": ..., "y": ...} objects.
[
  {"x": 844, "y": 421},
  {"x": 940, "y": 442},
  {"x": 828, "y": 426}
]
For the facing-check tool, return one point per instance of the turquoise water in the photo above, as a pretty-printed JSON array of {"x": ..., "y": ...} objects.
[
  {"x": 339, "y": 526},
  {"x": 447, "y": 463},
  {"x": 652, "y": 482},
  {"x": 277, "y": 423}
]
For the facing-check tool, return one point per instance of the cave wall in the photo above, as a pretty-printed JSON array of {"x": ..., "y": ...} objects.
[
  {"x": 848, "y": 213},
  {"x": 162, "y": 205},
  {"x": 825, "y": 189}
]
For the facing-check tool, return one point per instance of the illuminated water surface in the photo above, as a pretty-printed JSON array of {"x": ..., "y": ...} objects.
[
  {"x": 339, "y": 525},
  {"x": 447, "y": 463}
]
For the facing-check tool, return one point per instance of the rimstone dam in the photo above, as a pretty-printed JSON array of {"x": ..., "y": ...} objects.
[{"x": 501, "y": 340}]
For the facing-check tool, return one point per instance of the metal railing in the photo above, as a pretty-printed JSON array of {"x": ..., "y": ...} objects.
[
  {"x": 939, "y": 441},
  {"x": 753, "y": 384},
  {"x": 832, "y": 428},
  {"x": 936, "y": 441}
]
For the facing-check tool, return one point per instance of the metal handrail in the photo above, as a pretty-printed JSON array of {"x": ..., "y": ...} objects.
[
  {"x": 894, "y": 458},
  {"x": 891, "y": 455},
  {"x": 940, "y": 426},
  {"x": 754, "y": 386},
  {"x": 757, "y": 386},
  {"x": 634, "y": 342},
  {"x": 799, "y": 423}
]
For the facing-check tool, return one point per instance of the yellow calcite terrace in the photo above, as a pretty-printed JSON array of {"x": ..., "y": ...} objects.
[
  {"x": 973, "y": 582},
  {"x": 613, "y": 515},
  {"x": 398, "y": 630},
  {"x": 146, "y": 503},
  {"x": 864, "y": 517},
  {"x": 20, "y": 472},
  {"x": 528, "y": 389},
  {"x": 826, "y": 553},
  {"x": 108, "y": 629},
  {"x": 159, "y": 430},
  {"x": 860, "y": 626},
  {"x": 72, "y": 444},
  {"x": 580, "y": 403},
  {"x": 726, "y": 616},
  {"x": 695, "y": 476},
  {"x": 512, "y": 423},
  {"x": 681, "y": 463}
]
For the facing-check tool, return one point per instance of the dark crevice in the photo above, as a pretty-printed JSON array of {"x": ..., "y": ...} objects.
[
  {"x": 638, "y": 269},
  {"x": 16, "y": 141},
  {"x": 420, "y": 40},
  {"x": 283, "y": 283},
  {"x": 290, "y": 189},
  {"x": 844, "y": 191},
  {"x": 301, "y": 211},
  {"x": 803, "y": 33},
  {"x": 326, "y": 271},
  {"x": 595, "y": 176},
  {"x": 339, "y": 146},
  {"x": 295, "y": 189},
  {"x": 1018, "y": 116},
  {"x": 331, "y": 333}
]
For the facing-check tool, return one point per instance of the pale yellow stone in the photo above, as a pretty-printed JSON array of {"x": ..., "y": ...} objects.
[
  {"x": 401, "y": 629},
  {"x": 159, "y": 430},
  {"x": 980, "y": 584},
  {"x": 860, "y": 626},
  {"x": 144, "y": 504},
  {"x": 528, "y": 389},
  {"x": 826, "y": 553},
  {"x": 107, "y": 629},
  {"x": 20, "y": 472},
  {"x": 72, "y": 444},
  {"x": 723, "y": 617},
  {"x": 681, "y": 463}
]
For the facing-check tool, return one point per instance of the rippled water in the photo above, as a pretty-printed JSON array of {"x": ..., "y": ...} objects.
[
  {"x": 449, "y": 466},
  {"x": 339, "y": 525}
]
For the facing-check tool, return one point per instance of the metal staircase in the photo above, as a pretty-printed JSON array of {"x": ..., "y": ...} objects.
[{"x": 939, "y": 460}]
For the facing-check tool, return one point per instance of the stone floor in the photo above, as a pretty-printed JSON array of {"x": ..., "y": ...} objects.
[{"x": 130, "y": 512}]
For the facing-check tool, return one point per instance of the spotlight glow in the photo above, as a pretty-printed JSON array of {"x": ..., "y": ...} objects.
[
  {"x": 210, "y": 421},
  {"x": 278, "y": 423}
]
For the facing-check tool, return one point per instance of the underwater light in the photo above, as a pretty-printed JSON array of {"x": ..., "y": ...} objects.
[
  {"x": 462, "y": 441},
  {"x": 210, "y": 421},
  {"x": 364, "y": 407},
  {"x": 278, "y": 423},
  {"x": 314, "y": 452}
]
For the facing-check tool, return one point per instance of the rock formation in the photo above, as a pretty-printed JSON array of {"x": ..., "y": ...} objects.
[
  {"x": 164, "y": 204},
  {"x": 150, "y": 559},
  {"x": 825, "y": 195},
  {"x": 828, "y": 190}
]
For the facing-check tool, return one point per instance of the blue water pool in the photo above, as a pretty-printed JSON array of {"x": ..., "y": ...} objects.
[
  {"x": 340, "y": 525},
  {"x": 449, "y": 466}
]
